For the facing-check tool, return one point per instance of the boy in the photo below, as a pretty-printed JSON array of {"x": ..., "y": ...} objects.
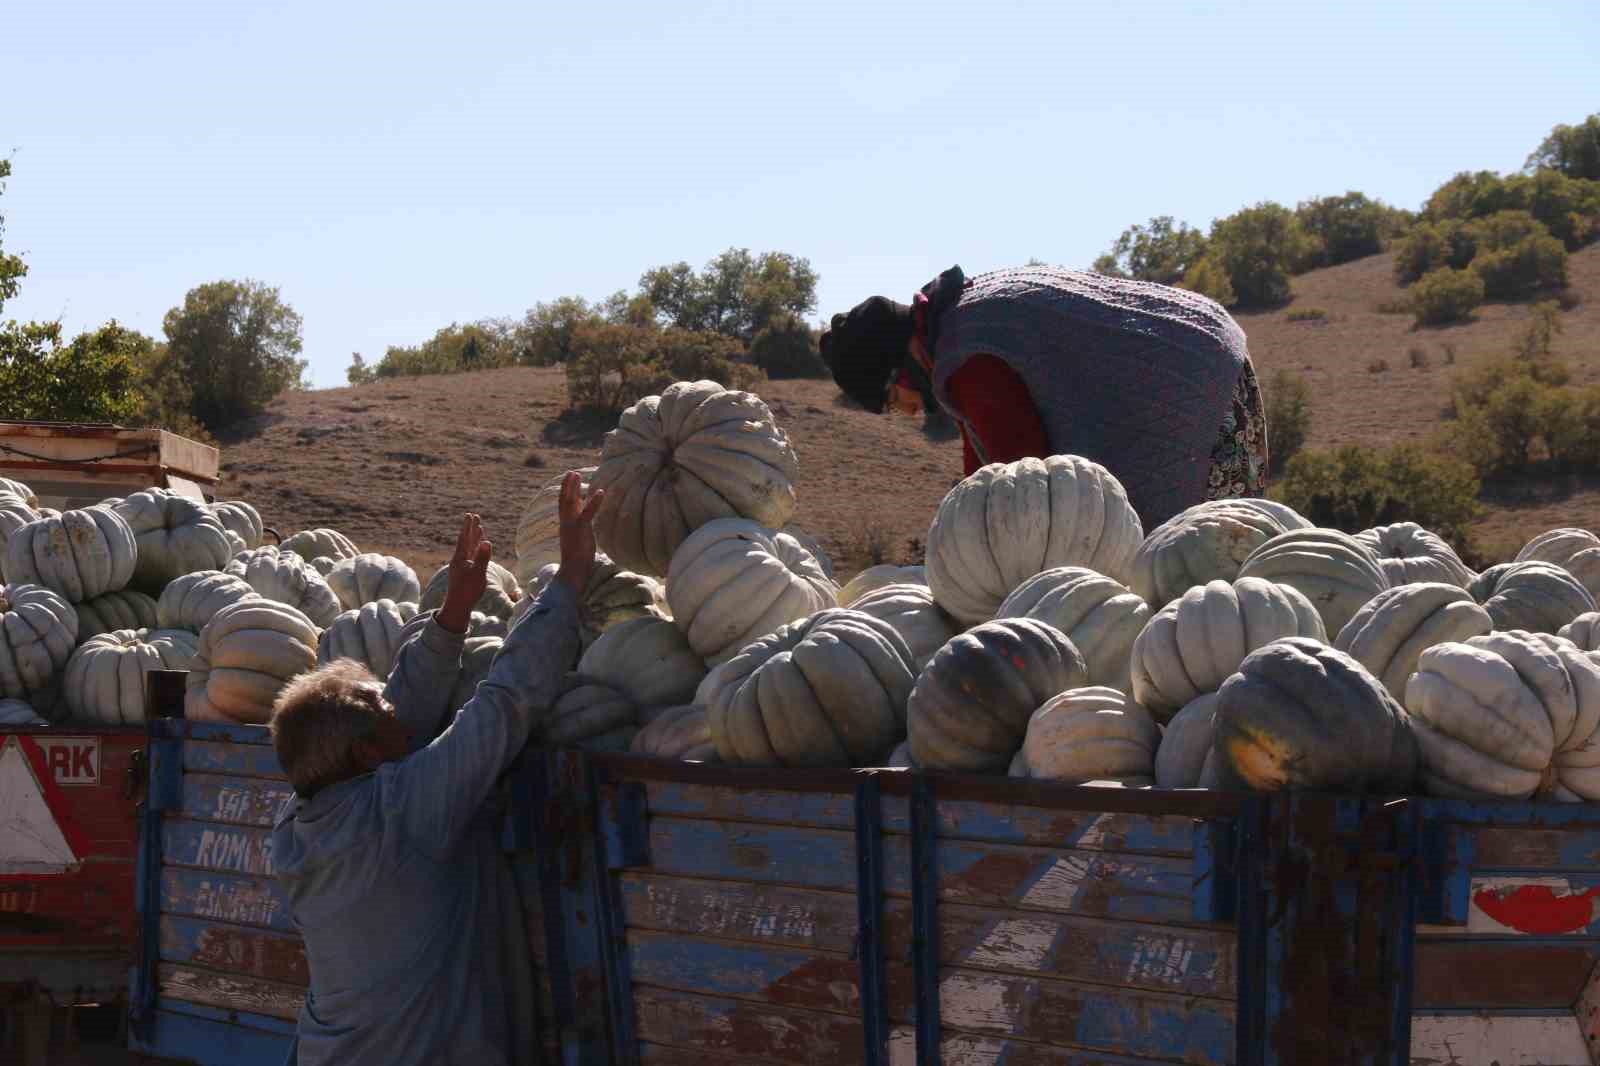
[{"x": 389, "y": 860}]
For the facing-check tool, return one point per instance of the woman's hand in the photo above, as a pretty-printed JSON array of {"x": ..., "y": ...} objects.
[
  {"x": 469, "y": 576},
  {"x": 577, "y": 533}
]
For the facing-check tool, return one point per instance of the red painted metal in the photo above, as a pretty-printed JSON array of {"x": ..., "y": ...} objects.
[{"x": 1538, "y": 909}]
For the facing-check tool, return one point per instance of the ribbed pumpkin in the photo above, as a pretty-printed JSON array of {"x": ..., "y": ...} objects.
[
  {"x": 1410, "y": 555},
  {"x": 242, "y": 519},
  {"x": 1282, "y": 513},
  {"x": 246, "y": 654},
  {"x": 1584, "y": 631},
  {"x": 910, "y": 611},
  {"x": 1495, "y": 713},
  {"x": 538, "y": 539},
  {"x": 732, "y": 582},
  {"x": 371, "y": 634},
  {"x": 646, "y": 658},
  {"x": 814, "y": 546},
  {"x": 14, "y": 514},
  {"x": 322, "y": 564},
  {"x": 38, "y": 630},
  {"x": 188, "y": 602},
  {"x": 1100, "y": 616},
  {"x": 369, "y": 576},
  {"x": 18, "y": 713},
  {"x": 80, "y": 555},
  {"x": 281, "y": 575},
  {"x": 1207, "y": 542},
  {"x": 681, "y": 732},
  {"x": 176, "y": 535},
  {"x": 591, "y": 716},
  {"x": 112, "y": 611},
  {"x": 1187, "y": 756},
  {"x": 693, "y": 454},
  {"x": 877, "y": 577},
  {"x": 478, "y": 625},
  {"x": 1576, "y": 551},
  {"x": 1196, "y": 642},
  {"x": 12, "y": 487},
  {"x": 313, "y": 543},
  {"x": 828, "y": 690},
  {"x": 1302, "y": 715},
  {"x": 477, "y": 657},
  {"x": 104, "y": 679},
  {"x": 612, "y": 595},
  {"x": 1336, "y": 572},
  {"x": 1397, "y": 625},
  {"x": 499, "y": 598},
  {"x": 1090, "y": 734},
  {"x": 1009, "y": 521},
  {"x": 1537, "y": 596},
  {"x": 971, "y": 704}
]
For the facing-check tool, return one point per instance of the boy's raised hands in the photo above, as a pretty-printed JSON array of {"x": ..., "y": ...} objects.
[
  {"x": 468, "y": 575},
  {"x": 577, "y": 533}
]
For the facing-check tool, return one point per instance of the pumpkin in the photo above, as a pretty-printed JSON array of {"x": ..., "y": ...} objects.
[
  {"x": 1282, "y": 513},
  {"x": 648, "y": 659},
  {"x": 538, "y": 539},
  {"x": 477, "y": 656},
  {"x": 372, "y": 635},
  {"x": 827, "y": 690},
  {"x": 241, "y": 519},
  {"x": 17, "y": 713},
  {"x": 1207, "y": 542},
  {"x": 12, "y": 487},
  {"x": 971, "y": 704},
  {"x": 363, "y": 578},
  {"x": 1584, "y": 631},
  {"x": 104, "y": 679},
  {"x": 1009, "y": 521},
  {"x": 246, "y": 654},
  {"x": 236, "y": 543},
  {"x": 877, "y": 577},
  {"x": 14, "y": 514},
  {"x": 80, "y": 554},
  {"x": 814, "y": 546},
  {"x": 681, "y": 732},
  {"x": 612, "y": 595},
  {"x": 1100, "y": 616},
  {"x": 188, "y": 602},
  {"x": 38, "y": 630},
  {"x": 1090, "y": 734},
  {"x": 324, "y": 564},
  {"x": 1536, "y": 596},
  {"x": 478, "y": 625},
  {"x": 176, "y": 535},
  {"x": 693, "y": 454},
  {"x": 111, "y": 611},
  {"x": 1300, "y": 714},
  {"x": 280, "y": 574},
  {"x": 311, "y": 543},
  {"x": 732, "y": 582},
  {"x": 1187, "y": 756},
  {"x": 1494, "y": 711},
  {"x": 1336, "y": 572},
  {"x": 591, "y": 716},
  {"x": 1397, "y": 625},
  {"x": 1196, "y": 642},
  {"x": 1576, "y": 551},
  {"x": 911, "y": 612},
  {"x": 499, "y": 597},
  {"x": 1410, "y": 554}
]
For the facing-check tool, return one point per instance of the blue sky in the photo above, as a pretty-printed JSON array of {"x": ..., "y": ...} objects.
[{"x": 394, "y": 167}]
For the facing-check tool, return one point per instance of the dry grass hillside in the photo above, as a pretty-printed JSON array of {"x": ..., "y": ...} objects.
[{"x": 394, "y": 463}]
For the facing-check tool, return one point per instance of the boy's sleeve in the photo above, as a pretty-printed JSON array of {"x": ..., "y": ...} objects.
[
  {"x": 424, "y": 675},
  {"x": 438, "y": 790}
]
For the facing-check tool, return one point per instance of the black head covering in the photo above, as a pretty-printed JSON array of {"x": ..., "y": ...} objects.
[{"x": 866, "y": 348}]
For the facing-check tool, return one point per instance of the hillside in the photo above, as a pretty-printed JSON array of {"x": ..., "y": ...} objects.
[{"x": 395, "y": 462}]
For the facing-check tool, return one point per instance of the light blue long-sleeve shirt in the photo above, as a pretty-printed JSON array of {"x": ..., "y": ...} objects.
[{"x": 395, "y": 879}]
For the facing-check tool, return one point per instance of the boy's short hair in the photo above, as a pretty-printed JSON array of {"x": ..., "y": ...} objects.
[{"x": 319, "y": 717}]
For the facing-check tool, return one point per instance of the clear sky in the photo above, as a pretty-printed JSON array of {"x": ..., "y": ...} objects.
[{"x": 393, "y": 167}]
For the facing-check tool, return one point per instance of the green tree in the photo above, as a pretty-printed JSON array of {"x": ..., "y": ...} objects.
[
  {"x": 455, "y": 348},
  {"x": 736, "y": 294},
  {"x": 92, "y": 379},
  {"x": 1344, "y": 227},
  {"x": 1573, "y": 150},
  {"x": 1355, "y": 487},
  {"x": 12, "y": 268},
  {"x": 1162, "y": 251},
  {"x": 1288, "y": 403},
  {"x": 1208, "y": 278},
  {"x": 1259, "y": 248},
  {"x": 546, "y": 335},
  {"x": 787, "y": 348},
  {"x": 1443, "y": 296},
  {"x": 237, "y": 343},
  {"x": 1568, "y": 207}
]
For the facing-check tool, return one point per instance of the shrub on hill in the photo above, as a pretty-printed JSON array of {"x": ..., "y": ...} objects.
[
  {"x": 1568, "y": 207},
  {"x": 1444, "y": 295},
  {"x": 1259, "y": 248},
  {"x": 1355, "y": 487},
  {"x": 1349, "y": 227},
  {"x": 1572, "y": 150},
  {"x": 1288, "y": 403},
  {"x": 786, "y": 348}
]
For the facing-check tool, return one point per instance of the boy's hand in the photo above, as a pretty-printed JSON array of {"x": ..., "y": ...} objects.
[
  {"x": 577, "y": 533},
  {"x": 469, "y": 576}
]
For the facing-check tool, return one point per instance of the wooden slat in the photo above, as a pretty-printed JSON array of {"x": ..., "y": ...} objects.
[
  {"x": 785, "y": 977},
  {"x": 224, "y": 897},
  {"x": 970, "y": 1049},
  {"x": 755, "y": 1030},
  {"x": 662, "y": 1055},
  {"x": 1516, "y": 974},
  {"x": 819, "y": 858},
  {"x": 213, "y": 989},
  {"x": 823, "y": 810},
  {"x": 1510, "y": 1040},
  {"x": 1533, "y": 905},
  {"x": 234, "y": 949},
  {"x": 240, "y": 760},
  {"x": 1526, "y": 848},
  {"x": 1047, "y": 827},
  {"x": 239, "y": 800},
  {"x": 741, "y": 910},
  {"x": 209, "y": 846}
]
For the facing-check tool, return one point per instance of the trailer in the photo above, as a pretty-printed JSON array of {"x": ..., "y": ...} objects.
[{"x": 69, "y": 464}]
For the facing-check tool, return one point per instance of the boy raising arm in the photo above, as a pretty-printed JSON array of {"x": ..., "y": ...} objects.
[{"x": 388, "y": 859}]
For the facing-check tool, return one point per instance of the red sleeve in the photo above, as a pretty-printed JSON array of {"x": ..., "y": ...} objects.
[{"x": 991, "y": 396}]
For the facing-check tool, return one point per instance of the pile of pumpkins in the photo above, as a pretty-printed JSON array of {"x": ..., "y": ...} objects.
[{"x": 1046, "y": 635}]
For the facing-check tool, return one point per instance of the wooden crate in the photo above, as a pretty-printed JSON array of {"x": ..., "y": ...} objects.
[{"x": 70, "y": 465}]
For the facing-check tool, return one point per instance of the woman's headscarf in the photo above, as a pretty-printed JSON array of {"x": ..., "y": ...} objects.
[{"x": 866, "y": 349}]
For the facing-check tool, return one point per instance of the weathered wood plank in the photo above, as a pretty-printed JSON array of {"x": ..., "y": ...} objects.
[
  {"x": 238, "y": 800},
  {"x": 823, "y": 810},
  {"x": 969, "y": 1049},
  {"x": 1043, "y": 826},
  {"x": 1516, "y": 974},
  {"x": 226, "y": 992},
  {"x": 1529, "y": 849},
  {"x": 1509, "y": 1040},
  {"x": 1563, "y": 905},
  {"x": 820, "y": 858},
  {"x": 662, "y": 1055},
  {"x": 220, "y": 757},
  {"x": 223, "y": 897},
  {"x": 753, "y": 1030},
  {"x": 234, "y": 949},
  {"x": 742, "y": 910},
  {"x": 785, "y": 977},
  {"x": 209, "y": 846}
]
